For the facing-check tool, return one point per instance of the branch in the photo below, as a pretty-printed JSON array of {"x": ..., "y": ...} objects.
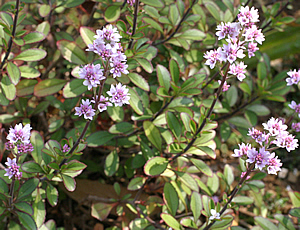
[
  {"x": 136, "y": 7},
  {"x": 178, "y": 26},
  {"x": 12, "y": 35},
  {"x": 234, "y": 192},
  {"x": 206, "y": 118}
]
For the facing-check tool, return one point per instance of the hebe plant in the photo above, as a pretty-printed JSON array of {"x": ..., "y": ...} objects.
[{"x": 144, "y": 99}]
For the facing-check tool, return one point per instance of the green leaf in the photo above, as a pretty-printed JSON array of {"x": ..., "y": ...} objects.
[
  {"x": 213, "y": 183},
  {"x": 112, "y": 13},
  {"x": 153, "y": 24},
  {"x": 24, "y": 207},
  {"x": 33, "y": 54},
  {"x": 260, "y": 110},
  {"x": 34, "y": 37},
  {"x": 163, "y": 76},
  {"x": 174, "y": 70},
  {"x": 239, "y": 122},
  {"x": 136, "y": 183},
  {"x": 13, "y": 72},
  {"x": 265, "y": 223},
  {"x": 261, "y": 70},
  {"x": 55, "y": 125},
  {"x": 72, "y": 52},
  {"x": 101, "y": 210},
  {"x": 7, "y": 118},
  {"x": 38, "y": 206},
  {"x": 111, "y": 163},
  {"x": 43, "y": 27},
  {"x": 135, "y": 102},
  {"x": 32, "y": 167},
  {"x": 225, "y": 131},
  {"x": 174, "y": 124},
  {"x": 8, "y": 88},
  {"x": 147, "y": 66},
  {"x": 155, "y": 3},
  {"x": 242, "y": 200},
  {"x": 73, "y": 168},
  {"x": 28, "y": 187},
  {"x": 116, "y": 113},
  {"x": 174, "y": 14},
  {"x": 44, "y": 10},
  {"x": 171, "y": 221},
  {"x": 74, "y": 88},
  {"x": 153, "y": 134},
  {"x": 87, "y": 35},
  {"x": 214, "y": 10},
  {"x": 232, "y": 96},
  {"x": 285, "y": 221},
  {"x": 139, "y": 224},
  {"x": 52, "y": 195},
  {"x": 295, "y": 212},
  {"x": 69, "y": 182},
  {"x": 48, "y": 87},
  {"x": 41, "y": 107},
  {"x": 122, "y": 127},
  {"x": 26, "y": 220},
  {"x": 188, "y": 222},
  {"x": 25, "y": 87},
  {"x": 193, "y": 34},
  {"x": 37, "y": 143},
  {"x": 29, "y": 72},
  {"x": 155, "y": 166},
  {"x": 196, "y": 205},
  {"x": 171, "y": 198},
  {"x": 3, "y": 186},
  {"x": 139, "y": 81},
  {"x": 188, "y": 180},
  {"x": 202, "y": 166},
  {"x": 99, "y": 138},
  {"x": 73, "y": 3}
]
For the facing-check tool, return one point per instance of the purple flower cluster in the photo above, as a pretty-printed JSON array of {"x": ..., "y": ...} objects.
[
  {"x": 240, "y": 36},
  {"x": 12, "y": 169},
  {"x": 107, "y": 46},
  {"x": 294, "y": 77},
  {"x": 295, "y": 107},
  {"x": 19, "y": 143},
  {"x": 262, "y": 158}
]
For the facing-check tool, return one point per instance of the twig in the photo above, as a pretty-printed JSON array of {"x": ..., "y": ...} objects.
[
  {"x": 12, "y": 35},
  {"x": 136, "y": 9},
  {"x": 236, "y": 110},
  {"x": 278, "y": 13},
  {"x": 234, "y": 192},
  {"x": 205, "y": 119},
  {"x": 178, "y": 26}
]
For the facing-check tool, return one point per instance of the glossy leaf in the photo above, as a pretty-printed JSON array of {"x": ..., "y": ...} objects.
[
  {"x": 24, "y": 207},
  {"x": 87, "y": 35},
  {"x": 139, "y": 81},
  {"x": 171, "y": 198},
  {"x": 32, "y": 167},
  {"x": 38, "y": 206},
  {"x": 135, "y": 102},
  {"x": 155, "y": 166},
  {"x": 202, "y": 166},
  {"x": 27, "y": 188},
  {"x": 99, "y": 138},
  {"x": 48, "y": 87},
  {"x": 196, "y": 205},
  {"x": 171, "y": 221},
  {"x": 163, "y": 76},
  {"x": 52, "y": 195},
  {"x": 26, "y": 220},
  {"x": 101, "y": 210},
  {"x": 13, "y": 72},
  {"x": 29, "y": 72},
  {"x": 112, "y": 13},
  {"x": 265, "y": 223},
  {"x": 136, "y": 183},
  {"x": 72, "y": 52},
  {"x": 25, "y": 87},
  {"x": 153, "y": 134},
  {"x": 111, "y": 163},
  {"x": 8, "y": 88},
  {"x": 69, "y": 182},
  {"x": 33, "y": 54},
  {"x": 34, "y": 37}
]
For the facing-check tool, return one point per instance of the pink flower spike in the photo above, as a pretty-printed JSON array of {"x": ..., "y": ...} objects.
[
  {"x": 260, "y": 158},
  {"x": 92, "y": 75},
  {"x": 295, "y": 107},
  {"x": 274, "y": 164},
  {"x": 294, "y": 77},
  {"x": 225, "y": 86},
  {"x": 119, "y": 94},
  {"x": 242, "y": 151},
  {"x": 275, "y": 126},
  {"x": 19, "y": 133},
  {"x": 85, "y": 109}
]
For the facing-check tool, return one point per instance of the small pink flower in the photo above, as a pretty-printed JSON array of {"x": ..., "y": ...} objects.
[
  {"x": 260, "y": 158},
  {"x": 19, "y": 133},
  {"x": 238, "y": 70},
  {"x": 85, "y": 109},
  {"x": 242, "y": 151},
  {"x": 275, "y": 126},
  {"x": 119, "y": 94},
  {"x": 274, "y": 164},
  {"x": 294, "y": 77}
]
